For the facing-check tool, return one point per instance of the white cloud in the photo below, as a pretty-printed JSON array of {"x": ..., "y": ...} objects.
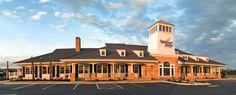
[
  {"x": 43, "y": 1},
  {"x": 85, "y": 17},
  {"x": 60, "y": 27},
  {"x": 139, "y": 4},
  {"x": 64, "y": 15},
  {"x": 114, "y": 5},
  {"x": 57, "y": 14},
  {"x": 10, "y": 13},
  {"x": 67, "y": 15},
  {"x": 38, "y": 16}
]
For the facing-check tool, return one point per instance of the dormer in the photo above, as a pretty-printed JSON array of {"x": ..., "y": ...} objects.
[
  {"x": 103, "y": 52},
  {"x": 205, "y": 59},
  {"x": 139, "y": 53},
  {"x": 197, "y": 58},
  {"x": 121, "y": 52},
  {"x": 185, "y": 57}
]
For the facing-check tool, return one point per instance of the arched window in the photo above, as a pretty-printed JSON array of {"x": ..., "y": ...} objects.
[{"x": 167, "y": 69}]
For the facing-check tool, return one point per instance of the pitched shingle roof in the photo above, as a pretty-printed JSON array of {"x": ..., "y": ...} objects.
[
  {"x": 183, "y": 52},
  {"x": 92, "y": 53},
  {"x": 111, "y": 53},
  {"x": 191, "y": 60}
]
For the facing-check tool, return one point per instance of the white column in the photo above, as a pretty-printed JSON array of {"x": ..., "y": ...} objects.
[
  {"x": 131, "y": 68},
  {"x": 55, "y": 70},
  {"x": 64, "y": 70},
  {"x": 73, "y": 68},
  {"x": 38, "y": 71},
  {"x": 119, "y": 70},
  {"x": 83, "y": 69},
  {"x": 211, "y": 69},
  {"x": 93, "y": 68},
  {"x": 162, "y": 68},
  {"x": 113, "y": 68}
]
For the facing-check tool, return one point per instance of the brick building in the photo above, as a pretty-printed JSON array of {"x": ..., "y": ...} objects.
[{"x": 159, "y": 60}]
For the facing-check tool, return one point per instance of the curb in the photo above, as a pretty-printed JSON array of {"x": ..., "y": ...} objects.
[
  {"x": 193, "y": 83},
  {"x": 76, "y": 82}
]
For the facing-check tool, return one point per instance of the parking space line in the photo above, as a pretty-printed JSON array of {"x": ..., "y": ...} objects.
[
  {"x": 138, "y": 85},
  {"x": 49, "y": 86},
  {"x": 75, "y": 86},
  {"x": 118, "y": 86},
  {"x": 23, "y": 86},
  {"x": 97, "y": 86}
]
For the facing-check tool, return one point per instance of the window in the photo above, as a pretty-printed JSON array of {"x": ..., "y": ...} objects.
[
  {"x": 48, "y": 70},
  {"x": 185, "y": 57},
  {"x": 104, "y": 68},
  {"x": 44, "y": 70},
  {"x": 197, "y": 58},
  {"x": 164, "y": 28},
  {"x": 27, "y": 70},
  {"x": 141, "y": 54},
  {"x": 102, "y": 52},
  {"x": 116, "y": 68},
  {"x": 167, "y": 29},
  {"x": 170, "y": 29},
  {"x": 160, "y": 26},
  {"x": 62, "y": 69},
  {"x": 81, "y": 69},
  {"x": 160, "y": 71},
  {"x": 86, "y": 69},
  {"x": 166, "y": 69},
  {"x": 99, "y": 69},
  {"x": 67, "y": 69},
  {"x": 135, "y": 70},
  {"x": 122, "y": 53},
  {"x": 122, "y": 70},
  {"x": 207, "y": 59}
]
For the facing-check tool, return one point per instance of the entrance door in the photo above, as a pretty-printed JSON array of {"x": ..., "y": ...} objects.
[
  {"x": 140, "y": 71},
  {"x": 184, "y": 71},
  {"x": 76, "y": 71},
  {"x": 58, "y": 71}
]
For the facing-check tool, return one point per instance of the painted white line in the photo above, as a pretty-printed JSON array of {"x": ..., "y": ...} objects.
[
  {"x": 75, "y": 86},
  {"x": 48, "y": 86},
  {"x": 138, "y": 85},
  {"x": 23, "y": 86},
  {"x": 213, "y": 86},
  {"x": 97, "y": 86},
  {"x": 118, "y": 86}
]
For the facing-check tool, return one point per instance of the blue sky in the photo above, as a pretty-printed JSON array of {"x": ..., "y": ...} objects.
[{"x": 34, "y": 27}]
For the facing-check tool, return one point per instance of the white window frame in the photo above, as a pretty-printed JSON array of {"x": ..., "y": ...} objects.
[
  {"x": 101, "y": 52},
  {"x": 161, "y": 66}
]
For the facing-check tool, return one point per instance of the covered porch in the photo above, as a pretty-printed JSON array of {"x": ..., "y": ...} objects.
[{"x": 198, "y": 71}]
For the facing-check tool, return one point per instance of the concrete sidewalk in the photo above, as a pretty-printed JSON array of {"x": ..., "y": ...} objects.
[{"x": 94, "y": 82}]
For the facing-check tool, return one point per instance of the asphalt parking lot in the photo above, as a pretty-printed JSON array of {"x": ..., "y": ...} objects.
[{"x": 111, "y": 88}]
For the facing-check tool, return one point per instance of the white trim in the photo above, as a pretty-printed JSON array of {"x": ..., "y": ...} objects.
[{"x": 113, "y": 60}]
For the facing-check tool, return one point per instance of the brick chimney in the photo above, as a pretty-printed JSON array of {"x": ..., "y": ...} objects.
[{"x": 77, "y": 44}]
